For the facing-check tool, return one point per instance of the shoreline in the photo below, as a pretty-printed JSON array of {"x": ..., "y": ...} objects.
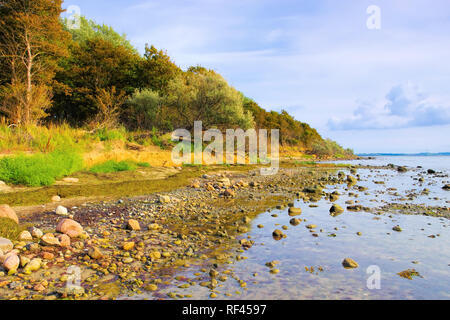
[{"x": 199, "y": 224}]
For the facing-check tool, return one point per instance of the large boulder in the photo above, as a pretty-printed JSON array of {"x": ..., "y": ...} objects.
[
  {"x": 70, "y": 227},
  {"x": 8, "y": 212}
]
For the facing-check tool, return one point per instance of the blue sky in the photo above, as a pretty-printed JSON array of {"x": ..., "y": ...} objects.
[{"x": 383, "y": 90}]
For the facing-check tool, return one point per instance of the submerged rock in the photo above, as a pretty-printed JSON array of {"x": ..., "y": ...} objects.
[
  {"x": 349, "y": 263},
  {"x": 294, "y": 211},
  {"x": 336, "y": 210}
]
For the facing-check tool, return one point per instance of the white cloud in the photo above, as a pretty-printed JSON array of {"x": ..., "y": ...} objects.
[{"x": 404, "y": 106}]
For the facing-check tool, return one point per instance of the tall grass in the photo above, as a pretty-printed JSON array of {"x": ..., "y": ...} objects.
[
  {"x": 118, "y": 166},
  {"x": 40, "y": 169}
]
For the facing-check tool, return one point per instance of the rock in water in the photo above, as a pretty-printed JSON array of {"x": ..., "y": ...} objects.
[
  {"x": 8, "y": 212},
  {"x": 349, "y": 263},
  {"x": 351, "y": 180},
  {"x": 61, "y": 211},
  {"x": 6, "y": 244},
  {"x": 336, "y": 210},
  {"x": 277, "y": 234},
  {"x": 446, "y": 187},
  {"x": 70, "y": 227},
  {"x": 397, "y": 228},
  {"x": 294, "y": 211}
]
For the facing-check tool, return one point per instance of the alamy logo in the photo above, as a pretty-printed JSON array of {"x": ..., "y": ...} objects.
[
  {"x": 235, "y": 141},
  {"x": 74, "y": 17},
  {"x": 374, "y": 20}
]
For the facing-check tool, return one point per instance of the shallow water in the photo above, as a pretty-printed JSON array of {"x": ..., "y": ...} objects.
[{"x": 379, "y": 246}]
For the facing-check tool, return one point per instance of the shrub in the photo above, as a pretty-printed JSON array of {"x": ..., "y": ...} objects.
[
  {"x": 111, "y": 134},
  {"x": 39, "y": 169}
]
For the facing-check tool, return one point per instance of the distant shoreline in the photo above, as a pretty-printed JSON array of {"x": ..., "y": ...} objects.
[{"x": 424, "y": 154}]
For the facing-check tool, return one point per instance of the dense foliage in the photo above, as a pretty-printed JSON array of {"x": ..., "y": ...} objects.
[{"x": 93, "y": 77}]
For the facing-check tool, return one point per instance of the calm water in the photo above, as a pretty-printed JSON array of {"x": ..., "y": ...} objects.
[{"x": 391, "y": 252}]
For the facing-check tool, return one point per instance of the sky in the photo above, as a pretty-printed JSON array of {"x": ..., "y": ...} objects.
[{"x": 372, "y": 75}]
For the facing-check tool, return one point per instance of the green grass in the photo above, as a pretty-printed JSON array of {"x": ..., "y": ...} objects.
[
  {"x": 40, "y": 169},
  {"x": 143, "y": 164},
  {"x": 114, "y": 166}
]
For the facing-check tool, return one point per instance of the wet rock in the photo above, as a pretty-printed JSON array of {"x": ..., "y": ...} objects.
[
  {"x": 336, "y": 210},
  {"x": 351, "y": 180},
  {"x": 49, "y": 239},
  {"x": 295, "y": 222},
  {"x": 397, "y": 228},
  {"x": 70, "y": 227},
  {"x": 402, "y": 169},
  {"x": 349, "y": 263},
  {"x": 278, "y": 234},
  {"x": 61, "y": 211},
  {"x": 295, "y": 211},
  {"x": 355, "y": 208},
  {"x": 8, "y": 212},
  {"x": 6, "y": 244},
  {"x": 311, "y": 226},
  {"x": 431, "y": 171},
  {"x": 133, "y": 225},
  {"x": 33, "y": 265},
  {"x": 446, "y": 187}
]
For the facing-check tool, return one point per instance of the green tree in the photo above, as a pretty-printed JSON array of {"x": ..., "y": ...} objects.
[
  {"x": 201, "y": 94},
  {"x": 89, "y": 29},
  {"x": 93, "y": 65},
  {"x": 156, "y": 70}
]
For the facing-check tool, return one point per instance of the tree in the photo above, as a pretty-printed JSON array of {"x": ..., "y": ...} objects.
[
  {"x": 109, "y": 103},
  {"x": 156, "y": 70},
  {"x": 89, "y": 30},
  {"x": 31, "y": 43},
  {"x": 93, "y": 64},
  {"x": 144, "y": 110},
  {"x": 203, "y": 95}
]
